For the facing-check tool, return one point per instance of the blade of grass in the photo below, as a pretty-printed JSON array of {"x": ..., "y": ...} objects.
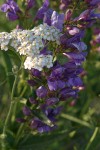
[
  {"x": 92, "y": 138},
  {"x": 8, "y": 68},
  {"x": 74, "y": 119}
]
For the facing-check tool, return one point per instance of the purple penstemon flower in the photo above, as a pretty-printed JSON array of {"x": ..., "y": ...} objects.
[
  {"x": 30, "y": 4},
  {"x": 57, "y": 20},
  {"x": 11, "y": 9},
  {"x": 43, "y": 10}
]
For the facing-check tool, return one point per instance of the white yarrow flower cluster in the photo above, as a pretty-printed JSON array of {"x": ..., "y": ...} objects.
[
  {"x": 26, "y": 43},
  {"x": 30, "y": 43},
  {"x": 46, "y": 32},
  {"x": 38, "y": 62},
  {"x": 4, "y": 40}
]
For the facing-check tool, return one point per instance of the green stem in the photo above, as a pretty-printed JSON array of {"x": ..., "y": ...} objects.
[
  {"x": 92, "y": 138},
  {"x": 19, "y": 134},
  {"x": 9, "y": 114}
]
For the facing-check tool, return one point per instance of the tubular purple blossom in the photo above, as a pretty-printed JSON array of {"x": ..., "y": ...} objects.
[
  {"x": 41, "y": 92},
  {"x": 30, "y": 4},
  {"x": 11, "y": 9},
  {"x": 42, "y": 10}
]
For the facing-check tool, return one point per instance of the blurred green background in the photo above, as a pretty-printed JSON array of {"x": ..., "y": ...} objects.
[{"x": 74, "y": 133}]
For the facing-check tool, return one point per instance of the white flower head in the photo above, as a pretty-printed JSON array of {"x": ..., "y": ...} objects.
[
  {"x": 38, "y": 62},
  {"x": 5, "y": 38}
]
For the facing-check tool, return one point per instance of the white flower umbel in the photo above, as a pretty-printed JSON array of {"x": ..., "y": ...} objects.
[
  {"x": 30, "y": 43},
  {"x": 38, "y": 62},
  {"x": 4, "y": 40},
  {"x": 46, "y": 32},
  {"x": 26, "y": 43}
]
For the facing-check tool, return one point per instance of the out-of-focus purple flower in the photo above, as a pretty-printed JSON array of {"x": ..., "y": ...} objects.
[
  {"x": 40, "y": 126},
  {"x": 11, "y": 16},
  {"x": 12, "y": 10},
  {"x": 30, "y": 4},
  {"x": 42, "y": 92},
  {"x": 96, "y": 39},
  {"x": 65, "y": 4},
  {"x": 93, "y": 2},
  {"x": 42, "y": 10},
  {"x": 57, "y": 20},
  {"x": 95, "y": 42},
  {"x": 26, "y": 111}
]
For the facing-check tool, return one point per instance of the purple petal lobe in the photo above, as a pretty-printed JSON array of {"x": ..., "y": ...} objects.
[{"x": 57, "y": 20}]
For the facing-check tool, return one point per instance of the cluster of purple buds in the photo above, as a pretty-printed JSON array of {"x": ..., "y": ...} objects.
[{"x": 95, "y": 42}]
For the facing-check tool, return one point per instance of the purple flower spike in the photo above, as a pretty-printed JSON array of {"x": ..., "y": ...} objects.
[
  {"x": 41, "y": 92},
  {"x": 57, "y": 20},
  {"x": 26, "y": 111}
]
